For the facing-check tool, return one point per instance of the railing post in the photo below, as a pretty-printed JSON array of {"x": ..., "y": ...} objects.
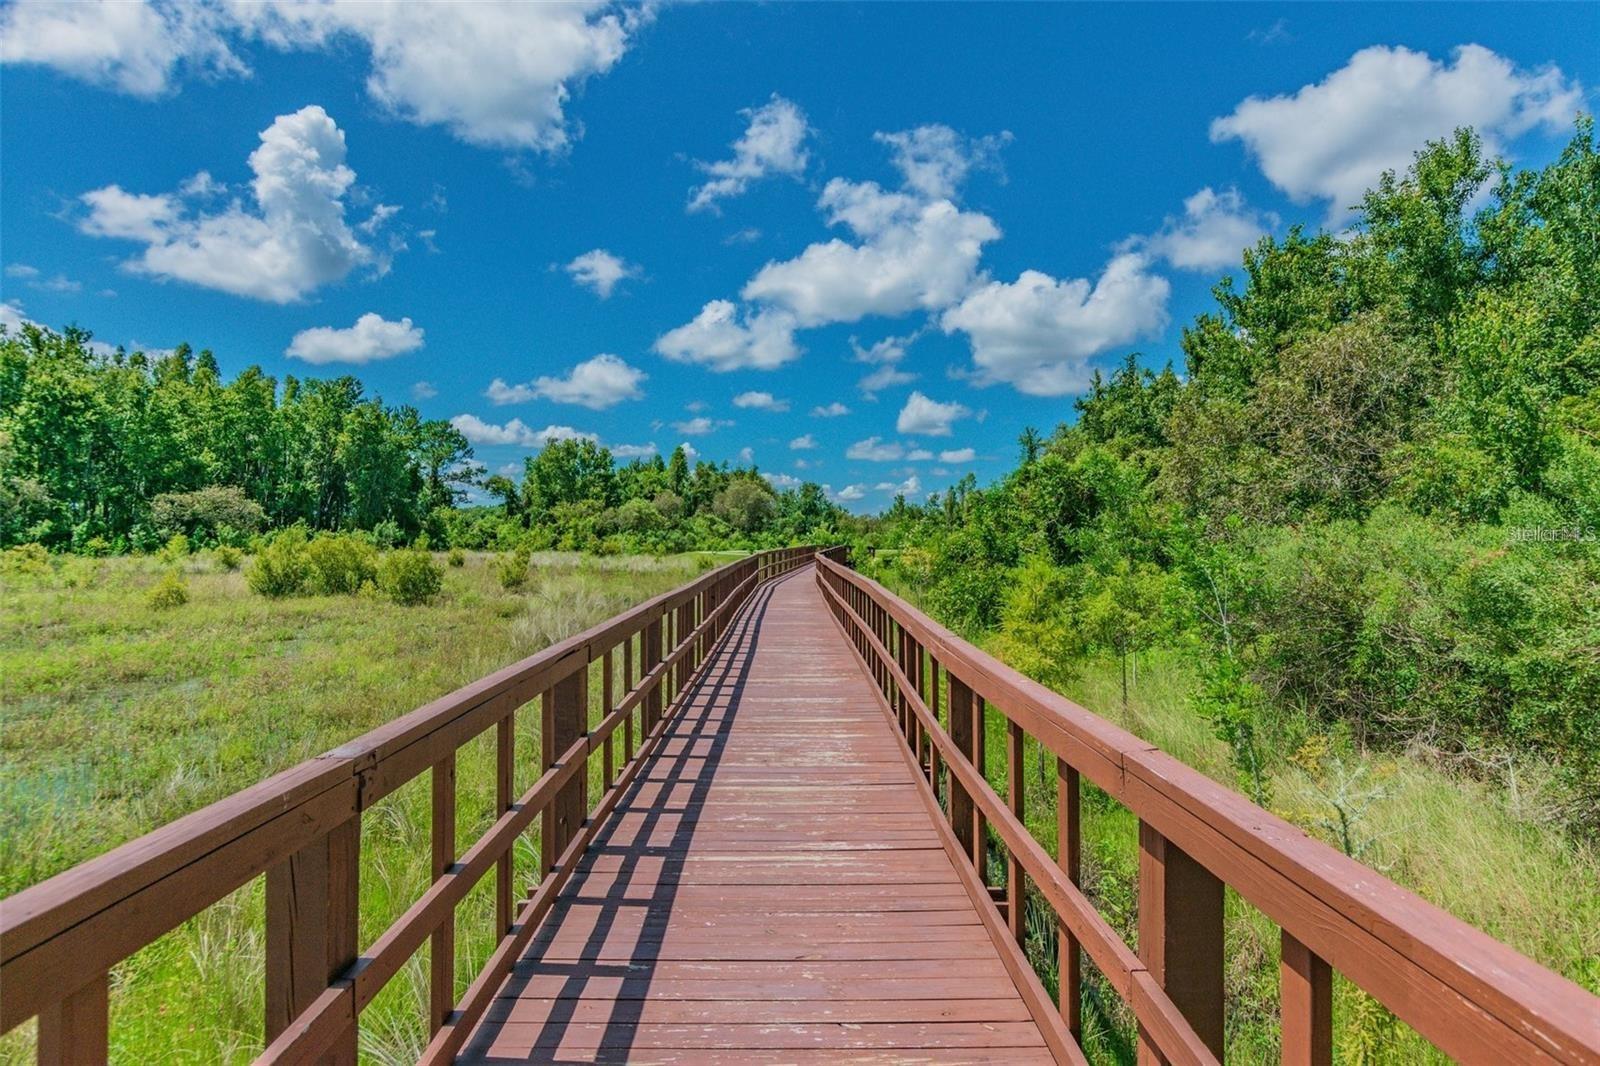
[
  {"x": 76, "y": 1029},
  {"x": 442, "y": 951},
  {"x": 1068, "y": 844},
  {"x": 1307, "y": 1005},
  {"x": 1180, "y": 936},
  {"x": 505, "y": 753},
  {"x": 649, "y": 658},
  {"x": 312, "y": 902},
  {"x": 1016, "y": 767},
  {"x": 963, "y": 813},
  {"x": 569, "y": 706}
]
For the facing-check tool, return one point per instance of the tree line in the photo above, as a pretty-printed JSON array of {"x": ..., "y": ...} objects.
[{"x": 109, "y": 451}]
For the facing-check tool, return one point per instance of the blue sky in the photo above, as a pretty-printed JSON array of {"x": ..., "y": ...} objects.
[{"x": 862, "y": 245}]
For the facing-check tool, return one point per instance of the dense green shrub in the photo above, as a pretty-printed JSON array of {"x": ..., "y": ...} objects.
[
  {"x": 280, "y": 566},
  {"x": 457, "y": 558},
  {"x": 228, "y": 557},
  {"x": 25, "y": 559},
  {"x": 512, "y": 568},
  {"x": 409, "y": 576},
  {"x": 216, "y": 513},
  {"x": 339, "y": 563},
  {"x": 167, "y": 593}
]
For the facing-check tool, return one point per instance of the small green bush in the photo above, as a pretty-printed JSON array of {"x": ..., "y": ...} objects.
[
  {"x": 409, "y": 576},
  {"x": 96, "y": 547},
  {"x": 337, "y": 564},
  {"x": 512, "y": 568},
  {"x": 280, "y": 568},
  {"x": 25, "y": 559},
  {"x": 457, "y": 557},
  {"x": 175, "y": 550},
  {"x": 167, "y": 593},
  {"x": 228, "y": 557}
]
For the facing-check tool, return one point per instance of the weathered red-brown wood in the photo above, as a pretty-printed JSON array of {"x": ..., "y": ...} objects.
[
  {"x": 312, "y": 908},
  {"x": 442, "y": 947},
  {"x": 1180, "y": 936},
  {"x": 1068, "y": 856},
  {"x": 1306, "y": 985},
  {"x": 75, "y": 1029}
]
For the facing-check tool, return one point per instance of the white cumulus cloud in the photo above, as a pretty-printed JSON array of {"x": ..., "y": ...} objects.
[
  {"x": 598, "y": 383},
  {"x": 700, "y": 426},
  {"x": 929, "y": 418},
  {"x": 851, "y": 493},
  {"x": 760, "y": 401},
  {"x": 935, "y": 159},
  {"x": 497, "y": 73},
  {"x": 773, "y": 143},
  {"x": 909, "y": 255},
  {"x": 600, "y": 271},
  {"x": 803, "y": 443},
  {"x": 516, "y": 432},
  {"x": 373, "y": 337},
  {"x": 293, "y": 240},
  {"x": 875, "y": 450},
  {"x": 723, "y": 339},
  {"x": 1215, "y": 229},
  {"x": 1038, "y": 334},
  {"x": 633, "y": 451},
  {"x": 830, "y": 410},
  {"x": 1332, "y": 139},
  {"x": 957, "y": 455}
]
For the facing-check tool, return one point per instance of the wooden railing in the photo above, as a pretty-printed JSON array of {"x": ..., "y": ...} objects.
[
  {"x": 1471, "y": 996},
  {"x": 301, "y": 829}
]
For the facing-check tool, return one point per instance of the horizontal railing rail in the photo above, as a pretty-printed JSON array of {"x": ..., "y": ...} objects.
[
  {"x": 301, "y": 829},
  {"x": 1471, "y": 996}
]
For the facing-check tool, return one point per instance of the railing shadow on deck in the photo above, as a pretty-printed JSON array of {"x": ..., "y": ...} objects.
[{"x": 724, "y": 681}]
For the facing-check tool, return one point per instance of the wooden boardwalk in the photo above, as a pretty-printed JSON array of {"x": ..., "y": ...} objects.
[
  {"x": 764, "y": 873},
  {"x": 774, "y": 887}
]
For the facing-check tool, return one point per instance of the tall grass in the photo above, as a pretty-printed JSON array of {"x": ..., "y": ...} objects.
[{"x": 119, "y": 718}]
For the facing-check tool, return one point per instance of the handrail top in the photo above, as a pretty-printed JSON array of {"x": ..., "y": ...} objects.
[
  {"x": 41, "y": 911},
  {"x": 1549, "y": 1009}
]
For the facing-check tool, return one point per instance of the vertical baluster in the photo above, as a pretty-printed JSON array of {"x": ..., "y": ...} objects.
[
  {"x": 627, "y": 687},
  {"x": 963, "y": 813},
  {"x": 980, "y": 759},
  {"x": 1306, "y": 982},
  {"x": 1180, "y": 936},
  {"x": 1016, "y": 767},
  {"x": 75, "y": 1030},
  {"x": 442, "y": 952},
  {"x": 569, "y": 707},
  {"x": 607, "y": 705},
  {"x": 548, "y": 849},
  {"x": 505, "y": 766},
  {"x": 1068, "y": 844},
  {"x": 650, "y": 656},
  {"x": 312, "y": 905}
]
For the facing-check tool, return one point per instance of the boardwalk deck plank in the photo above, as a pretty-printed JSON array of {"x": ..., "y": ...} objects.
[{"x": 770, "y": 889}]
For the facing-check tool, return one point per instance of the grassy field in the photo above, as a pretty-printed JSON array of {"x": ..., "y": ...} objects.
[{"x": 119, "y": 717}]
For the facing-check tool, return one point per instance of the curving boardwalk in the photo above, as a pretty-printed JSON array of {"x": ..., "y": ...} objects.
[{"x": 774, "y": 887}]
